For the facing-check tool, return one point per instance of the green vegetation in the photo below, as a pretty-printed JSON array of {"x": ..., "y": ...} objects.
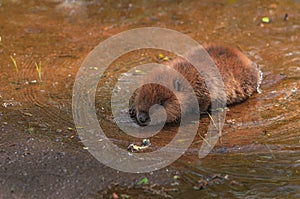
[{"x": 143, "y": 181}]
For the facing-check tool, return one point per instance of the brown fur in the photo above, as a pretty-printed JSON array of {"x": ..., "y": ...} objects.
[{"x": 240, "y": 76}]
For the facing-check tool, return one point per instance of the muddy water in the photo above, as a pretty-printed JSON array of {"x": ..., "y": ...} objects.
[{"x": 258, "y": 154}]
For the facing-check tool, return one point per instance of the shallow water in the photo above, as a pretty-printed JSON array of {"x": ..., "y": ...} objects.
[{"x": 258, "y": 154}]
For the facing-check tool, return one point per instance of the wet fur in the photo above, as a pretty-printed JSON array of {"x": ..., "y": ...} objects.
[{"x": 241, "y": 78}]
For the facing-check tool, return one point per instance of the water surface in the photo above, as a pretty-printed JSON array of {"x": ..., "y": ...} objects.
[{"x": 258, "y": 155}]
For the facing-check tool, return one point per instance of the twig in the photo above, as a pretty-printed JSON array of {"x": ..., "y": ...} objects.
[
  {"x": 39, "y": 69},
  {"x": 14, "y": 62}
]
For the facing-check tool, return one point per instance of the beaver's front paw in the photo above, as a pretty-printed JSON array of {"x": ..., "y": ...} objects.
[{"x": 132, "y": 111}]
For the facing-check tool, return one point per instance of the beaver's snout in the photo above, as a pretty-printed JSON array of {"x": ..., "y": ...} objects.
[{"x": 143, "y": 118}]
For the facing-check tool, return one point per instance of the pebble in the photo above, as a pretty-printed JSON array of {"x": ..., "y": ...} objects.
[{"x": 58, "y": 131}]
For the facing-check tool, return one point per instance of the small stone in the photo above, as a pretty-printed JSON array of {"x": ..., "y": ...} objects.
[
  {"x": 58, "y": 131},
  {"x": 230, "y": 121},
  {"x": 115, "y": 196},
  {"x": 233, "y": 182}
]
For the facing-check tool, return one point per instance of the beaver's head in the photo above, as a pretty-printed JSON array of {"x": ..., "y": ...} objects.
[
  {"x": 154, "y": 94},
  {"x": 170, "y": 87},
  {"x": 171, "y": 92}
]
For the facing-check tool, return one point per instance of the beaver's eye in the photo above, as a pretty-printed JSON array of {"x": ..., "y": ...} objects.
[
  {"x": 177, "y": 85},
  {"x": 161, "y": 102}
]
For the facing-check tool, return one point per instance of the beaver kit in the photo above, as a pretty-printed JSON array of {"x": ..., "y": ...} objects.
[{"x": 241, "y": 78}]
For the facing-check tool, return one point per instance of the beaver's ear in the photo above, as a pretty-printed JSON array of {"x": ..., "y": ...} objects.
[{"x": 177, "y": 85}]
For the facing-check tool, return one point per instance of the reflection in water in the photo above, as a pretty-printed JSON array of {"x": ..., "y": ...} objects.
[{"x": 259, "y": 149}]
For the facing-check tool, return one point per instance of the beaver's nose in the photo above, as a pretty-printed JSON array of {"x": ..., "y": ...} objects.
[{"x": 143, "y": 118}]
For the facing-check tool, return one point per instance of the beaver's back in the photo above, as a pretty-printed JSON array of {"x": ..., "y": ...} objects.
[{"x": 240, "y": 75}]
